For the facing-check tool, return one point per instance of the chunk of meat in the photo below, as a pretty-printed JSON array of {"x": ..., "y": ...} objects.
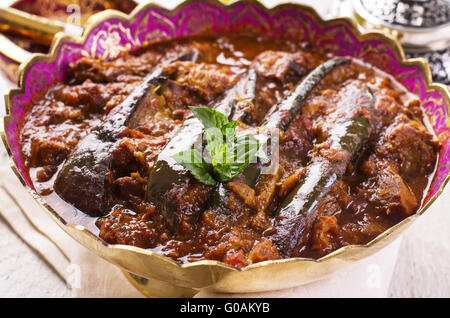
[
  {"x": 334, "y": 106},
  {"x": 165, "y": 109},
  {"x": 243, "y": 191},
  {"x": 136, "y": 152},
  {"x": 207, "y": 80},
  {"x": 101, "y": 71},
  {"x": 263, "y": 251},
  {"x": 235, "y": 258},
  {"x": 283, "y": 66},
  {"x": 49, "y": 145},
  {"x": 362, "y": 229},
  {"x": 260, "y": 221},
  {"x": 185, "y": 202},
  {"x": 94, "y": 98},
  {"x": 325, "y": 234},
  {"x": 89, "y": 97},
  {"x": 266, "y": 189},
  {"x": 47, "y": 152},
  {"x": 386, "y": 108},
  {"x": 337, "y": 200},
  {"x": 178, "y": 97},
  {"x": 229, "y": 246},
  {"x": 410, "y": 145},
  {"x": 287, "y": 184},
  {"x": 128, "y": 67},
  {"x": 130, "y": 186},
  {"x": 117, "y": 226},
  {"x": 389, "y": 191},
  {"x": 45, "y": 173}
]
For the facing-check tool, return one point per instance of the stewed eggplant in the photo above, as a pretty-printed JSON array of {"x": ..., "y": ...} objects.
[{"x": 354, "y": 157}]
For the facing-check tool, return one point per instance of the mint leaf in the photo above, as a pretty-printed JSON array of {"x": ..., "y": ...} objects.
[
  {"x": 194, "y": 162},
  {"x": 228, "y": 171},
  {"x": 229, "y": 131},
  {"x": 230, "y": 155},
  {"x": 215, "y": 143},
  {"x": 209, "y": 117}
]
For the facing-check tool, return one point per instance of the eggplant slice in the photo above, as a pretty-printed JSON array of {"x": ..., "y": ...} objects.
[
  {"x": 168, "y": 180},
  {"x": 279, "y": 117},
  {"x": 345, "y": 135},
  {"x": 82, "y": 181}
]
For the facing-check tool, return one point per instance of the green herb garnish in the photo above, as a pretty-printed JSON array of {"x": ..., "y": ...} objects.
[{"x": 227, "y": 154}]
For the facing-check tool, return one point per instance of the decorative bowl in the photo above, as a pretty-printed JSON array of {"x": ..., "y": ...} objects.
[{"x": 110, "y": 32}]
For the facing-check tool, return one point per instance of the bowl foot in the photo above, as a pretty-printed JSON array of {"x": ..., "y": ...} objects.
[{"x": 155, "y": 288}]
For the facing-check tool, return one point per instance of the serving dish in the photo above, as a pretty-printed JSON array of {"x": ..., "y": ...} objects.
[{"x": 111, "y": 32}]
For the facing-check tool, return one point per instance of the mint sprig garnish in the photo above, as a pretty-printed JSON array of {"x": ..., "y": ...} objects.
[
  {"x": 193, "y": 161},
  {"x": 227, "y": 154}
]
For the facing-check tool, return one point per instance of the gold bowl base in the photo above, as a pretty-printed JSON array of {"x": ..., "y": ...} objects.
[{"x": 155, "y": 288}]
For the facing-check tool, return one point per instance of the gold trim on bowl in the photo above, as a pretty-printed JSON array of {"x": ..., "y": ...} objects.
[{"x": 186, "y": 279}]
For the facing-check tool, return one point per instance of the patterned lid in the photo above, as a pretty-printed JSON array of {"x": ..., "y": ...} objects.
[
  {"x": 417, "y": 24},
  {"x": 422, "y": 26},
  {"x": 416, "y": 14}
]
